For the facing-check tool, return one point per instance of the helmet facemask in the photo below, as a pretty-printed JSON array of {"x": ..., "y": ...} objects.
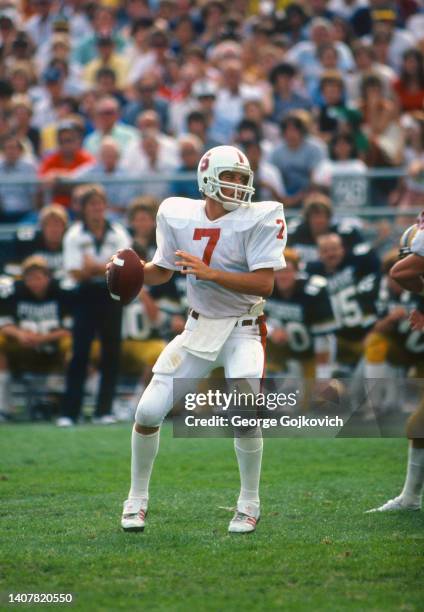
[{"x": 242, "y": 193}]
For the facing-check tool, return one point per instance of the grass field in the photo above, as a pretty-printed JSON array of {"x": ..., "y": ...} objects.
[{"x": 315, "y": 549}]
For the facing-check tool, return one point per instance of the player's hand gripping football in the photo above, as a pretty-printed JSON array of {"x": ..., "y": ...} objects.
[{"x": 189, "y": 264}]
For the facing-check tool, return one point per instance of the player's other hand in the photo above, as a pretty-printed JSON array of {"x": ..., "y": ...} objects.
[
  {"x": 189, "y": 264},
  {"x": 416, "y": 319}
]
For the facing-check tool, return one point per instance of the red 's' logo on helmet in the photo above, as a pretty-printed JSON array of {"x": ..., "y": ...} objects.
[{"x": 204, "y": 162}]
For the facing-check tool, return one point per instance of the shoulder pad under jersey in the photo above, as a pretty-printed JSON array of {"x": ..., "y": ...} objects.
[{"x": 178, "y": 212}]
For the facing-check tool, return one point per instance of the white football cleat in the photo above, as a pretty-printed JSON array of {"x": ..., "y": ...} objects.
[
  {"x": 245, "y": 519},
  {"x": 134, "y": 515},
  {"x": 395, "y": 505}
]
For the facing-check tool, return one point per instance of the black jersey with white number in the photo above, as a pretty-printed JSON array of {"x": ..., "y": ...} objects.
[
  {"x": 303, "y": 315},
  {"x": 18, "y": 306},
  {"x": 388, "y": 300},
  {"x": 353, "y": 290}
]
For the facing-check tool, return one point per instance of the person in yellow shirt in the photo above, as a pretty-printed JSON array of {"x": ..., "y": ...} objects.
[{"x": 107, "y": 57}]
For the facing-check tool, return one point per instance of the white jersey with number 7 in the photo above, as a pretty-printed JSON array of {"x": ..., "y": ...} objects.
[{"x": 243, "y": 240}]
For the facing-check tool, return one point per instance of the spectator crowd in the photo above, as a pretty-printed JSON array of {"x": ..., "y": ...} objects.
[{"x": 108, "y": 106}]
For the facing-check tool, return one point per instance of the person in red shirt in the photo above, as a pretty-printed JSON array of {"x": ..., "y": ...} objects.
[
  {"x": 61, "y": 164},
  {"x": 410, "y": 85}
]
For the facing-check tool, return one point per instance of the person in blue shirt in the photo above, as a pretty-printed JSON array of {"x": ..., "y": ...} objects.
[
  {"x": 296, "y": 156},
  {"x": 16, "y": 196},
  {"x": 285, "y": 94}
]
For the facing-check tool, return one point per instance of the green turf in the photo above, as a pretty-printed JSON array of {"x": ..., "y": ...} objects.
[{"x": 315, "y": 549}]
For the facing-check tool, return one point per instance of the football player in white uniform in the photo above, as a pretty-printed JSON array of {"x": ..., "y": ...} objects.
[
  {"x": 228, "y": 249},
  {"x": 409, "y": 273}
]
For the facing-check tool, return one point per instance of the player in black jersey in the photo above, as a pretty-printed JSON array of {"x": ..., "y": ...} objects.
[
  {"x": 33, "y": 336},
  {"x": 299, "y": 318},
  {"x": 352, "y": 281},
  {"x": 392, "y": 339}
]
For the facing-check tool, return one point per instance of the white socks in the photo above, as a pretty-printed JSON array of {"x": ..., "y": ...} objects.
[
  {"x": 249, "y": 457},
  {"x": 413, "y": 487},
  {"x": 144, "y": 449}
]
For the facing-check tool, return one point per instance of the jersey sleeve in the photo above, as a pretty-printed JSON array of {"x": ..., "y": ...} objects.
[
  {"x": 166, "y": 246},
  {"x": 417, "y": 245},
  {"x": 266, "y": 244}
]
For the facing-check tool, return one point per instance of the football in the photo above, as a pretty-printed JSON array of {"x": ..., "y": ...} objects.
[{"x": 125, "y": 276}]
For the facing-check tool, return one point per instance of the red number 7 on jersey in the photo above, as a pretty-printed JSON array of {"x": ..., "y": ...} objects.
[
  {"x": 213, "y": 235},
  {"x": 280, "y": 234}
]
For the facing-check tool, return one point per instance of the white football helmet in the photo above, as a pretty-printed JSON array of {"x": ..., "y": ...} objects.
[
  {"x": 406, "y": 240},
  {"x": 218, "y": 160}
]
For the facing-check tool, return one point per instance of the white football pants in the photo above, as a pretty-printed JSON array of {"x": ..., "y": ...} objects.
[{"x": 241, "y": 356}]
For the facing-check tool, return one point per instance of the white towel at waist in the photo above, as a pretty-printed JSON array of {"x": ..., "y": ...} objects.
[{"x": 209, "y": 336}]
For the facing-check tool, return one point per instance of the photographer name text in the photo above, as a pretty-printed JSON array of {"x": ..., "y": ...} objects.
[{"x": 297, "y": 422}]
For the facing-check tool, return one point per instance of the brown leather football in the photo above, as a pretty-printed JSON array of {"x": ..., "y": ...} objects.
[{"x": 125, "y": 276}]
